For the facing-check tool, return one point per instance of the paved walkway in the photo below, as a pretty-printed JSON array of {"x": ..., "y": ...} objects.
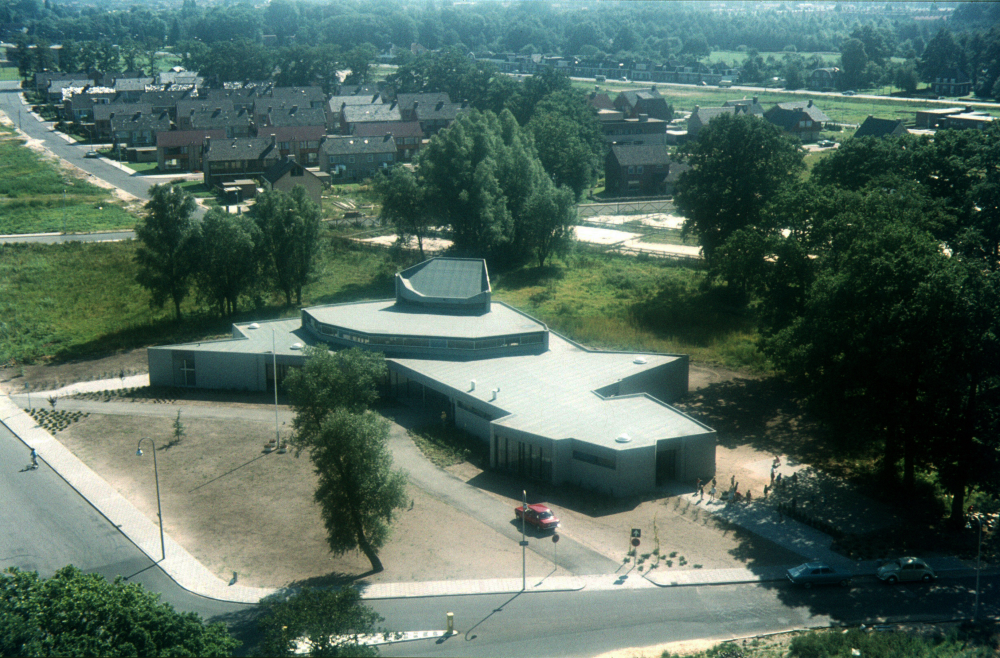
[{"x": 190, "y": 574}]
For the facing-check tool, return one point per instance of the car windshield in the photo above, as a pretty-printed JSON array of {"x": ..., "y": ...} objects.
[
  {"x": 544, "y": 515},
  {"x": 801, "y": 569},
  {"x": 894, "y": 563}
]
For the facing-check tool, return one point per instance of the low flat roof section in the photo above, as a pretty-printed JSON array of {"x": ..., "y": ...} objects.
[
  {"x": 287, "y": 332},
  {"x": 390, "y": 319},
  {"x": 552, "y": 394}
]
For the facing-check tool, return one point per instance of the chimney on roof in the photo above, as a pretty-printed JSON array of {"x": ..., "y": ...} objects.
[
  {"x": 810, "y": 104},
  {"x": 387, "y": 137},
  {"x": 375, "y": 98},
  {"x": 695, "y": 110},
  {"x": 274, "y": 140},
  {"x": 343, "y": 105},
  {"x": 208, "y": 142},
  {"x": 643, "y": 117},
  {"x": 295, "y": 108},
  {"x": 393, "y": 106},
  {"x": 754, "y": 100},
  {"x": 440, "y": 104}
]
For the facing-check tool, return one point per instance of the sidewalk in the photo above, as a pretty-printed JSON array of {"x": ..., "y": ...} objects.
[{"x": 190, "y": 574}]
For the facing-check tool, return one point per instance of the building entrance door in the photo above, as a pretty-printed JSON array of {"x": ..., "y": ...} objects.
[{"x": 666, "y": 466}]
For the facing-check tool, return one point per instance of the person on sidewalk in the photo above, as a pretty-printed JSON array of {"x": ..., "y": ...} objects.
[
  {"x": 711, "y": 492},
  {"x": 697, "y": 487},
  {"x": 34, "y": 458}
]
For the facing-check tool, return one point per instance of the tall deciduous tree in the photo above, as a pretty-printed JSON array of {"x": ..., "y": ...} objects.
[
  {"x": 358, "y": 489},
  {"x": 738, "y": 165},
  {"x": 403, "y": 205},
  {"x": 479, "y": 177},
  {"x": 227, "y": 267},
  {"x": 289, "y": 226},
  {"x": 347, "y": 379},
  {"x": 167, "y": 249},
  {"x": 77, "y": 614},
  {"x": 853, "y": 60},
  {"x": 329, "y": 621},
  {"x": 569, "y": 140},
  {"x": 359, "y": 492}
]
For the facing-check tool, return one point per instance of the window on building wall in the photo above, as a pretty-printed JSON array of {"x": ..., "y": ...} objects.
[
  {"x": 350, "y": 159},
  {"x": 638, "y": 169},
  {"x": 371, "y": 157},
  {"x": 284, "y": 146},
  {"x": 631, "y": 170}
]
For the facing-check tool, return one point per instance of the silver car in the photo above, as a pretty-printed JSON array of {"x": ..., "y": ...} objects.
[
  {"x": 817, "y": 573},
  {"x": 905, "y": 569}
]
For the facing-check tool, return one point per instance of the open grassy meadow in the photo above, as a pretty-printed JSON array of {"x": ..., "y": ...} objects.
[
  {"x": 72, "y": 300},
  {"x": 37, "y": 196}
]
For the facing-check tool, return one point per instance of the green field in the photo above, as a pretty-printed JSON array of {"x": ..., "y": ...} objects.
[
  {"x": 8, "y": 73},
  {"x": 36, "y": 196},
  {"x": 71, "y": 300},
  {"x": 738, "y": 57}
]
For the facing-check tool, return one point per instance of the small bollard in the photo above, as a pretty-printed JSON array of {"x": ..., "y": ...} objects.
[{"x": 451, "y": 623}]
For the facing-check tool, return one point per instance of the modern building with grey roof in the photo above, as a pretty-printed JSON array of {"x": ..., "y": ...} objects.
[{"x": 550, "y": 409}]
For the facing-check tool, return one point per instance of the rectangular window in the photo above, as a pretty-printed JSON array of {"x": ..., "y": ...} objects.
[
  {"x": 638, "y": 169},
  {"x": 605, "y": 462},
  {"x": 350, "y": 159},
  {"x": 631, "y": 170},
  {"x": 332, "y": 159},
  {"x": 284, "y": 146},
  {"x": 371, "y": 157}
]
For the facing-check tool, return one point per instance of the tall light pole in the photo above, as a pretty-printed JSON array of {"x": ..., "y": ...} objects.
[
  {"x": 159, "y": 508},
  {"x": 274, "y": 361},
  {"x": 978, "y": 518},
  {"x": 524, "y": 542}
]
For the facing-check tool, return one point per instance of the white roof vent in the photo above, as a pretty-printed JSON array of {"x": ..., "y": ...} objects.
[
  {"x": 639, "y": 360},
  {"x": 623, "y": 438},
  {"x": 253, "y": 325},
  {"x": 297, "y": 346}
]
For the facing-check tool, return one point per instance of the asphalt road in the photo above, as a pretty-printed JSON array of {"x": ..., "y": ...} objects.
[{"x": 48, "y": 525}]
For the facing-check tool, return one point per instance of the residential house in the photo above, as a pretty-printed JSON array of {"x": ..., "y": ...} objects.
[
  {"x": 371, "y": 113},
  {"x": 103, "y": 114},
  {"x": 79, "y": 107},
  {"x": 642, "y": 130},
  {"x": 649, "y": 102},
  {"x": 235, "y": 123},
  {"x": 225, "y": 160},
  {"x": 182, "y": 149},
  {"x": 54, "y": 92},
  {"x": 436, "y": 117},
  {"x": 930, "y": 119},
  {"x": 313, "y": 97},
  {"x": 299, "y": 142},
  {"x": 352, "y": 158},
  {"x": 409, "y": 136},
  {"x": 44, "y": 78},
  {"x": 825, "y": 79},
  {"x": 133, "y": 87},
  {"x": 179, "y": 76},
  {"x": 751, "y": 106},
  {"x": 968, "y": 121},
  {"x": 166, "y": 101},
  {"x": 138, "y": 129},
  {"x": 636, "y": 169},
  {"x": 336, "y": 105},
  {"x": 700, "y": 116},
  {"x": 951, "y": 82},
  {"x": 267, "y": 112},
  {"x": 187, "y": 107},
  {"x": 600, "y": 101},
  {"x": 873, "y": 127},
  {"x": 287, "y": 173},
  {"x": 802, "y": 118},
  {"x": 408, "y": 103}
]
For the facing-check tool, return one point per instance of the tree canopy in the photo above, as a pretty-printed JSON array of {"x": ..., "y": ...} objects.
[
  {"x": 77, "y": 614},
  {"x": 289, "y": 230},
  {"x": 738, "y": 166},
  {"x": 329, "y": 621},
  {"x": 482, "y": 178},
  {"x": 166, "y": 251}
]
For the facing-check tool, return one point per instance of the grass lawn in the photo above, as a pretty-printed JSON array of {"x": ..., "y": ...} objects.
[
  {"x": 36, "y": 196},
  {"x": 143, "y": 167},
  {"x": 626, "y": 303},
  {"x": 68, "y": 301},
  {"x": 196, "y": 188},
  {"x": 8, "y": 73}
]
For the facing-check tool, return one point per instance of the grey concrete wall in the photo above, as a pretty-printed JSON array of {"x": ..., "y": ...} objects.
[
  {"x": 472, "y": 423},
  {"x": 666, "y": 383},
  {"x": 160, "y": 366},
  {"x": 230, "y": 370},
  {"x": 698, "y": 457}
]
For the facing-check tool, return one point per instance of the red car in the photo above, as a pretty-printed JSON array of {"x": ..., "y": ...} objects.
[{"x": 539, "y": 516}]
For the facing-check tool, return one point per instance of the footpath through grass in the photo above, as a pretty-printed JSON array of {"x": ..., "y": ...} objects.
[
  {"x": 37, "y": 196},
  {"x": 72, "y": 300}
]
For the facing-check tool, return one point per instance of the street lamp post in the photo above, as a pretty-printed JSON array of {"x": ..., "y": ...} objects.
[
  {"x": 524, "y": 542},
  {"x": 159, "y": 508},
  {"x": 978, "y": 518}
]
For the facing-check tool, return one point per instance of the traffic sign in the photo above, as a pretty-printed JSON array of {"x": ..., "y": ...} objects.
[
  {"x": 555, "y": 538},
  {"x": 635, "y": 541},
  {"x": 636, "y": 533}
]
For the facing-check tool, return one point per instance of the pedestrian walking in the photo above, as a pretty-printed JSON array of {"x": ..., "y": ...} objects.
[
  {"x": 711, "y": 492},
  {"x": 697, "y": 487},
  {"x": 772, "y": 475},
  {"x": 765, "y": 491},
  {"x": 732, "y": 480},
  {"x": 713, "y": 482},
  {"x": 777, "y": 480},
  {"x": 34, "y": 458},
  {"x": 701, "y": 491},
  {"x": 749, "y": 496}
]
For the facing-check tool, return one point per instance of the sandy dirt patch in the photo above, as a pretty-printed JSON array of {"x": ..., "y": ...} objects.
[
  {"x": 602, "y": 235},
  {"x": 237, "y": 509},
  {"x": 44, "y": 377}
]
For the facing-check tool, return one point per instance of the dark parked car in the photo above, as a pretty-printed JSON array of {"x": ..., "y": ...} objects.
[
  {"x": 539, "y": 516},
  {"x": 91, "y": 154},
  {"x": 818, "y": 573},
  {"x": 905, "y": 569}
]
